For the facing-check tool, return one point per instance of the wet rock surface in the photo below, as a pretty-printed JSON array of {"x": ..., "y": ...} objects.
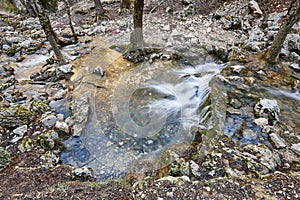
[{"x": 253, "y": 152}]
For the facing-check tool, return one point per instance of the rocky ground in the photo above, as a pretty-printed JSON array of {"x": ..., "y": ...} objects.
[{"x": 250, "y": 151}]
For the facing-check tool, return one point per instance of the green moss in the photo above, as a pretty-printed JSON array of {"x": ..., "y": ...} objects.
[
  {"x": 40, "y": 107},
  {"x": 11, "y": 51},
  {"x": 8, "y": 6},
  {"x": 5, "y": 158},
  {"x": 46, "y": 140},
  {"x": 25, "y": 145},
  {"x": 15, "y": 116}
]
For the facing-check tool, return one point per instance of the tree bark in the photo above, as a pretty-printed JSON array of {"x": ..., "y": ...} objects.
[
  {"x": 70, "y": 21},
  {"x": 99, "y": 9},
  {"x": 125, "y": 4},
  {"x": 292, "y": 17},
  {"x": 51, "y": 36},
  {"x": 136, "y": 37}
]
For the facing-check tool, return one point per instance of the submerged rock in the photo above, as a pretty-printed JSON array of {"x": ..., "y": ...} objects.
[
  {"x": 248, "y": 134},
  {"x": 98, "y": 71},
  {"x": 80, "y": 108}
]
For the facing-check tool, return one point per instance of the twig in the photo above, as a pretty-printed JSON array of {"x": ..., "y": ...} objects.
[{"x": 154, "y": 8}]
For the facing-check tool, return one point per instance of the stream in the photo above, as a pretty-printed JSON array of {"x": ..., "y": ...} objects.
[{"x": 151, "y": 107}]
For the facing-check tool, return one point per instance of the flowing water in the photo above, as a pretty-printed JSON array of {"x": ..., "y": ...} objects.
[{"x": 146, "y": 109}]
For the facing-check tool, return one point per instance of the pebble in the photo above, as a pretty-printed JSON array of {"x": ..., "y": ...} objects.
[
  {"x": 166, "y": 28},
  {"x": 63, "y": 126},
  {"x": 49, "y": 121},
  {"x": 98, "y": 71},
  {"x": 60, "y": 94},
  {"x": 20, "y": 131},
  {"x": 82, "y": 171},
  {"x": 66, "y": 68}
]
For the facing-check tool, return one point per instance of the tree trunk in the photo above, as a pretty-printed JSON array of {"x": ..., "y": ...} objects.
[
  {"x": 136, "y": 37},
  {"x": 292, "y": 17},
  {"x": 70, "y": 21},
  {"x": 99, "y": 9},
  {"x": 125, "y": 4},
  {"x": 51, "y": 36}
]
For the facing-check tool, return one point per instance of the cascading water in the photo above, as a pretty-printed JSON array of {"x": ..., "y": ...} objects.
[{"x": 150, "y": 108}]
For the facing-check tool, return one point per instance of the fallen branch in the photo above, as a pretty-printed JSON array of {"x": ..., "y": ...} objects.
[{"x": 155, "y": 7}]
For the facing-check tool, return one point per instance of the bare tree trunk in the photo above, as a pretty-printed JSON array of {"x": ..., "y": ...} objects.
[
  {"x": 125, "y": 4},
  {"x": 136, "y": 37},
  {"x": 99, "y": 9},
  {"x": 292, "y": 17},
  {"x": 51, "y": 36},
  {"x": 70, "y": 21}
]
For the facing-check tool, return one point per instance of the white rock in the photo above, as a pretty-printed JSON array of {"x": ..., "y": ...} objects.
[
  {"x": 25, "y": 44},
  {"x": 278, "y": 141},
  {"x": 166, "y": 28},
  {"x": 178, "y": 180},
  {"x": 20, "y": 131},
  {"x": 62, "y": 126},
  {"x": 13, "y": 39},
  {"x": 295, "y": 66},
  {"x": 82, "y": 171},
  {"x": 60, "y": 117},
  {"x": 268, "y": 109},
  {"x": 260, "y": 121},
  {"x": 5, "y": 47},
  {"x": 60, "y": 94},
  {"x": 195, "y": 168},
  {"x": 49, "y": 121},
  {"x": 255, "y": 9},
  {"x": 237, "y": 68},
  {"x": 66, "y": 68},
  {"x": 296, "y": 148}
]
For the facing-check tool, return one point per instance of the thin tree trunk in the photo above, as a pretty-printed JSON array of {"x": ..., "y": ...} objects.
[
  {"x": 70, "y": 21},
  {"x": 51, "y": 36},
  {"x": 125, "y": 4},
  {"x": 99, "y": 9},
  {"x": 292, "y": 17},
  {"x": 136, "y": 37}
]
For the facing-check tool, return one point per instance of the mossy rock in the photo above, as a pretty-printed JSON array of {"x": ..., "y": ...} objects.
[
  {"x": 5, "y": 158},
  {"x": 12, "y": 51},
  {"x": 39, "y": 107},
  {"x": 48, "y": 139},
  {"x": 15, "y": 116},
  {"x": 25, "y": 145},
  {"x": 8, "y": 6}
]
